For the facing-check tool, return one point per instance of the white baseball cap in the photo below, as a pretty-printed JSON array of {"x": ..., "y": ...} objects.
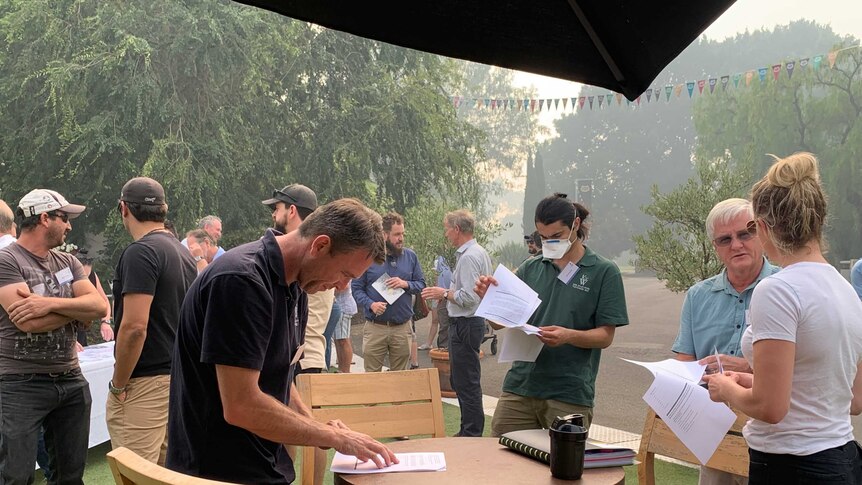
[{"x": 43, "y": 200}]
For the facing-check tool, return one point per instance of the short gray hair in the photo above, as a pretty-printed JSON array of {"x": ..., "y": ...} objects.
[
  {"x": 207, "y": 220},
  {"x": 462, "y": 219},
  {"x": 725, "y": 211}
]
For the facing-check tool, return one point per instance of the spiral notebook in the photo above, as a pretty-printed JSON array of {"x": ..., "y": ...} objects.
[{"x": 536, "y": 444}]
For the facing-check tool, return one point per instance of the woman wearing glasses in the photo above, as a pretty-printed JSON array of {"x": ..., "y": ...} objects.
[{"x": 804, "y": 342}]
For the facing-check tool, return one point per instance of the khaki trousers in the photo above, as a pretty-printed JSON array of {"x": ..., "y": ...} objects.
[
  {"x": 140, "y": 423},
  {"x": 515, "y": 413},
  {"x": 379, "y": 340}
]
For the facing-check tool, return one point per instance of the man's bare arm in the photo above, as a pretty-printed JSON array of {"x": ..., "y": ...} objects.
[
  {"x": 131, "y": 336},
  {"x": 247, "y": 407},
  {"x": 34, "y": 313}
]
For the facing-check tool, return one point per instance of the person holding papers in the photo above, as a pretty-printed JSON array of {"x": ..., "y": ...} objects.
[
  {"x": 385, "y": 292},
  {"x": 804, "y": 342},
  {"x": 583, "y": 303},
  {"x": 713, "y": 315}
]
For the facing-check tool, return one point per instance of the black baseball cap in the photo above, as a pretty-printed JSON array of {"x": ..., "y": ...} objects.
[
  {"x": 143, "y": 190},
  {"x": 294, "y": 194}
]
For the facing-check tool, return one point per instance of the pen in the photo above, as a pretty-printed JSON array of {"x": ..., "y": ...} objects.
[{"x": 718, "y": 361}]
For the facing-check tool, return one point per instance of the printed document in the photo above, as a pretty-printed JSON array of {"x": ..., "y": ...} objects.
[
  {"x": 518, "y": 345},
  {"x": 698, "y": 421},
  {"x": 511, "y": 302},
  {"x": 408, "y": 462},
  {"x": 389, "y": 294}
]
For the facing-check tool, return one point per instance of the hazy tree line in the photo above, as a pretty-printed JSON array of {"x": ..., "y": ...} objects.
[
  {"x": 222, "y": 103},
  {"x": 638, "y": 156}
]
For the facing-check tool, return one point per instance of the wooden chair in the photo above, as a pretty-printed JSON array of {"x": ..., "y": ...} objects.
[
  {"x": 657, "y": 439},
  {"x": 129, "y": 468},
  {"x": 379, "y": 404}
]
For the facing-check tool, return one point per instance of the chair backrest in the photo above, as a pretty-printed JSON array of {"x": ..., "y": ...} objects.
[
  {"x": 129, "y": 468},
  {"x": 657, "y": 439},
  {"x": 379, "y": 404}
]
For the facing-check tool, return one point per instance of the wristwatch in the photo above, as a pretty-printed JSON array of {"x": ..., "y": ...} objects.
[
  {"x": 115, "y": 390},
  {"x": 105, "y": 321}
]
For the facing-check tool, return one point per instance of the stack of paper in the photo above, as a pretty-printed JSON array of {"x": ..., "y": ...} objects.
[
  {"x": 388, "y": 294},
  {"x": 698, "y": 421},
  {"x": 407, "y": 462},
  {"x": 511, "y": 303}
]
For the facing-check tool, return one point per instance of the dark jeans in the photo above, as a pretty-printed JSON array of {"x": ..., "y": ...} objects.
[
  {"x": 30, "y": 402},
  {"x": 842, "y": 464},
  {"x": 465, "y": 337}
]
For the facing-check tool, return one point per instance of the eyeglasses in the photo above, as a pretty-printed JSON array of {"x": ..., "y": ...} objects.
[
  {"x": 62, "y": 215},
  {"x": 742, "y": 236}
]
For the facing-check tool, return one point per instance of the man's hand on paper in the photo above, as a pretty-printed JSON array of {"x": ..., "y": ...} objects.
[
  {"x": 554, "y": 336},
  {"x": 396, "y": 282},
  {"x": 335, "y": 423},
  {"x": 365, "y": 448},
  {"x": 482, "y": 285},
  {"x": 728, "y": 363}
]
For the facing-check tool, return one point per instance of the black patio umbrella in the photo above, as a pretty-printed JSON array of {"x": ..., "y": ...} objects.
[{"x": 621, "y": 45}]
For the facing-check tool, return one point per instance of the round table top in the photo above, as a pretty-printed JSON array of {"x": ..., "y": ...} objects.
[{"x": 478, "y": 460}]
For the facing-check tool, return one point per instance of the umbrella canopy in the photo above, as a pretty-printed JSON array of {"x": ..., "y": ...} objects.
[{"x": 621, "y": 45}]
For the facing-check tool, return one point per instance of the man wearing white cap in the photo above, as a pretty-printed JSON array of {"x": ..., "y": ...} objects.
[{"x": 42, "y": 292}]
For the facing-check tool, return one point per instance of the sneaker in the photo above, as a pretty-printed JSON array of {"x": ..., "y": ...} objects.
[
  {"x": 414, "y": 366},
  {"x": 424, "y": 347}
]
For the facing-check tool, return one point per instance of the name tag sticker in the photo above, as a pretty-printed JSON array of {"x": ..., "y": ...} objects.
[
  {"x": 297, "y": 355},
  {"x": 568, "y": 272},
  {"x": 63, "y": 276}
]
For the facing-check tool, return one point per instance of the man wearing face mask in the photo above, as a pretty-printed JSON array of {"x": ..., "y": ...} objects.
[{"x": 583, "y": 302}]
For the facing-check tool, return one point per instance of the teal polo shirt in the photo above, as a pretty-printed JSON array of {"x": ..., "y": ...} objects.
[
  {"x": 594, "y": 297},
  {"x": 713, "y": 316}
]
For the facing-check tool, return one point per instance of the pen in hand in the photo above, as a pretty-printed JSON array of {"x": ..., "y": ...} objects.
[{"x": 718, "y": 361}]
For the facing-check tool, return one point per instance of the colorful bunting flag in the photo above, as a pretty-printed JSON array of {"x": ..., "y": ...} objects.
[
  {"x": 803, "y": 63},
  {"x": 712, "y": 83},
  {"x": 526, "y": 104},
  {"x": 648, "y": 95},
  {"x": 601, "y": 99},
  {"x": 724, "y": 80},
  {"x": 493, "y": 104},
  {"x": 541, "y": 104},
  {"x": 789, "y": 66},
  {"x": 581, "y": 102},
  {"x": 817, "y": 60},
  {"x": 690, "y": 86},
  {"x": 776, "y": 70},
  {"x": 736, "y": 78},
  {"x": 677, "y": 90},
  {"x": 638, "y": 100},
  {"x": 532, "y": 106},
  {"x": 619, "y": 99},
  {"x": 564, "y": 103},
  {"x": 762, "y": 73},
  {"x": 667, "y": 90},
  {"x": 700, "y": 85},
  {"x": 590, "y": 99},
  {"x": 574, "y": 100},
  {"x": 557, "y": 103},
  {"x": 609, "y": 98},
  {"x": 657, "y": 94},
  {"x": 748, "y": 77}
]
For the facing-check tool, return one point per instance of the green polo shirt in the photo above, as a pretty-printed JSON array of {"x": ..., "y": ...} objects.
[{"x": 594, "y": 297}]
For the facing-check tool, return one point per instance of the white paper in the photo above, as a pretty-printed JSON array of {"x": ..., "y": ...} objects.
[
  {"x": 688, "y": 371},
  {"x": 695, "y": 419},
  {"x": 519, "y": 346},
  {"x": 511, "y": 302},
  {"x": 388, "y": 294},
  {"x": 407, "y": 462}
]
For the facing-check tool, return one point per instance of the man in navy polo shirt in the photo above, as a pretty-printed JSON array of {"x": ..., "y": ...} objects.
[{"x": 233, "y": 405}]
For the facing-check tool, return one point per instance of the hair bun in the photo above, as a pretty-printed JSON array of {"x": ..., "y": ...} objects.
[
  {"x": 794, "y": 169},
  {"x": 560, "y": 195}
]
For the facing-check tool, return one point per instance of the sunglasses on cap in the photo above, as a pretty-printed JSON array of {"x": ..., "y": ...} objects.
[{"x": 742, "y": 236}]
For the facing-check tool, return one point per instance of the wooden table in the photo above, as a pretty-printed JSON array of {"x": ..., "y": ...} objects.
[{"x": 476, "y": 461}]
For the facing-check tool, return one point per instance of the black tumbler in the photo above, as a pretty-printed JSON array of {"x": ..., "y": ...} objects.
[{"x": 567, "y": 451}]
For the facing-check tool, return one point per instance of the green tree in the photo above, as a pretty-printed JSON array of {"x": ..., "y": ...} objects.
[
  {"x": 536, "y": 189},
  {"x": 677, "y": 247},
  {"x": 511, "y": 254},
  {"x": 221, "y": 103},
  {"x": 817, "y": 110}
]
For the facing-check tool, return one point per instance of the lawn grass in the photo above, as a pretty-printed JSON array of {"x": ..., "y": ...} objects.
[{"x": 98, "y": 472}]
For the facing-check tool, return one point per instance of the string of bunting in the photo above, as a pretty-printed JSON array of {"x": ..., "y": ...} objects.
[{"x": 654, "y": 94}]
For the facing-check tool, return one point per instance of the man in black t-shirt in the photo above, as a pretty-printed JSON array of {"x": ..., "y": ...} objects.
[
  {"x": 233, "y": 403},
  {"x": 152, "y": 277}
]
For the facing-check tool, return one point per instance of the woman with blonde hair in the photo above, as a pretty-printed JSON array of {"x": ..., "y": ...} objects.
[{"x": 804, "y": 342}]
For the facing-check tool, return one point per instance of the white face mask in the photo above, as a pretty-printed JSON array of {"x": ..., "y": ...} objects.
[{"x": 557, "y": 248}]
